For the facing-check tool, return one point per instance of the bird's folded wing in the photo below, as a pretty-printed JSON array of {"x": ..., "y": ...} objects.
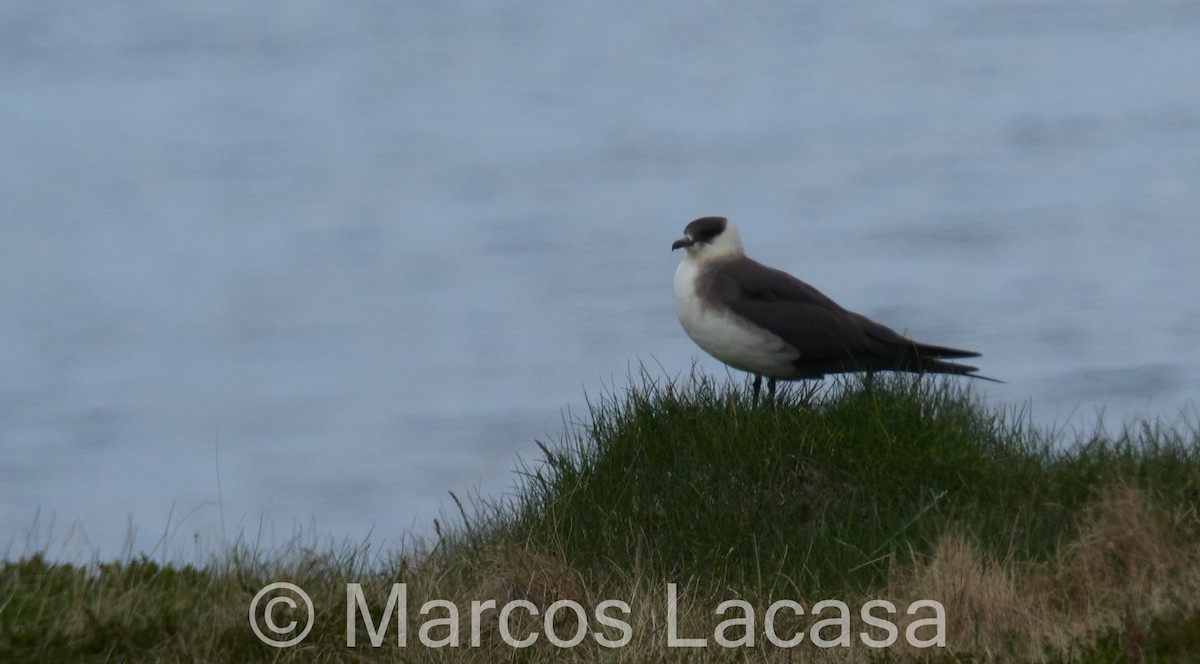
[
  {"x": 789, "y": 308},
  {"x": 811, "y": 322}
]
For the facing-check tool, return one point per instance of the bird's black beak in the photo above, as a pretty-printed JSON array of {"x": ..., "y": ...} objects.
[{"x": 682, "y": 242}]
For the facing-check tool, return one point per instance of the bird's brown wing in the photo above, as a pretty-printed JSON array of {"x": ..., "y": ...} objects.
[
  {"x": 789, "y": 308},
  {"x": 828, "y": 337}
]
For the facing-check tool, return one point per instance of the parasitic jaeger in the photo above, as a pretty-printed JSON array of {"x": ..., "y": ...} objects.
[{"x": 769, "y": 323}]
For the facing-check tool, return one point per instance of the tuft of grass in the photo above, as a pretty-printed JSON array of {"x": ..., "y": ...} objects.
[{"x": 895, "y": 487}]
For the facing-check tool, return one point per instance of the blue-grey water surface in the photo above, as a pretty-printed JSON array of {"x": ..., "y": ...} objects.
[{"x": 360, "y": 255}]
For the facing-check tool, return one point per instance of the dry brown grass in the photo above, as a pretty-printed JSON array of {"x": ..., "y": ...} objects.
[
  {"x": 1124, "y": 568},
  {"x": 1128, "y": 564}
]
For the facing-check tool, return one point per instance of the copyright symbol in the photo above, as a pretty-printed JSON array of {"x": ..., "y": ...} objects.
[{"x": 268, "y": 615}]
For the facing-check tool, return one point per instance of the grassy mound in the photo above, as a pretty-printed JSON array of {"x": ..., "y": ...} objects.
[
  {"x": 823, "y": 490},
  {"x": 898, "y": 487}
]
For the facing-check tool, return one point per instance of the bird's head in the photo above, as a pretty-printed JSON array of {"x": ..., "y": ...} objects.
[{"x": 710, "y": 237}]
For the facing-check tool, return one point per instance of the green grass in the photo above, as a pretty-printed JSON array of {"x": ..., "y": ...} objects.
[
  {"x": 822, "y": 491},
  {"x": 46, "y": 593},
  {"x": 1043, "y": 549}
]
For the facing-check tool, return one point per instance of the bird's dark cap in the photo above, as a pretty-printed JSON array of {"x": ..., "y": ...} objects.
[{"x": 703, "y": 229}]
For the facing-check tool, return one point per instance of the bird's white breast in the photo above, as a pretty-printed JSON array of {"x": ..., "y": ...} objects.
[{"x": 720, "y": 333}]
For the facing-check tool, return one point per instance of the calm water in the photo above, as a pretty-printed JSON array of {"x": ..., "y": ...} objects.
[{"x": 358, "y": 258}]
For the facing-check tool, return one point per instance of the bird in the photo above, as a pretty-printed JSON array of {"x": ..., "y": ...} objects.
[{"x": 766, "y": 322}]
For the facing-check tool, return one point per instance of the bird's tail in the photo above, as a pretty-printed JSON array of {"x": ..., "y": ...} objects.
[
  {"x": 931, "y": 358},
  {"x": 930, "y": 351},
  {"x": 930, "y": 365},
  {"x": 896, "y": 352}
]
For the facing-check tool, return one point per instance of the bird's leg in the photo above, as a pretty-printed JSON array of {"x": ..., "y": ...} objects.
[
  {"x": 869, "y": 384},
  {"x": 757, "y": 387}
]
